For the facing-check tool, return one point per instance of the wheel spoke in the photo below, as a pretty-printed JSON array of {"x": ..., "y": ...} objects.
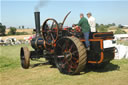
[
  {"x": 52, "y": 25},
  {"x": 64, "y": 63},
  {"x": 67, "y": 44},
  {"x": 54, "y": 34},
  {"x": 63, "y": 47},
  {"x": 74, "y": 58},
  {"x": 69, "y": 68},
  {"x": 74, "y": 52},
  {"x": 71, "y": 47},
  {"x": 59, "y": 45},
  {"x": 74, "y": 65},
  {"x": 52, "y": 37},
  {"x": 48, "y": 28}
]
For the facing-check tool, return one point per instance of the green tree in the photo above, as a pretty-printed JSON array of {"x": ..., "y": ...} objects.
[
  {"x": 119, "y": 31},
  {"x": 113, "y": 24},
  {"x": 97, "y": 25},
  {"x": 12, "y": 31},
  {"x": 102, "y": 28},
  {"x": 2, "y": 29},
  {"x": 19, "y": 27},
  {"x": 120, "y": 26},
  {"x": 23, "y": 27}
]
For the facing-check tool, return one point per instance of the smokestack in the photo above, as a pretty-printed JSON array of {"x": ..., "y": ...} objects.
[{"x": 37, "y": 23}]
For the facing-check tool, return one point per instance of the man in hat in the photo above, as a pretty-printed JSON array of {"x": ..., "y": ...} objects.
[
  {"x": 91, "y": 21},
  {"x": 83, "y": 23}
]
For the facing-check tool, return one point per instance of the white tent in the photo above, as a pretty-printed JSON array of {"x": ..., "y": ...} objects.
[
  {"x": 126, "y": 56},
  {"x": 122, "y": 52}
]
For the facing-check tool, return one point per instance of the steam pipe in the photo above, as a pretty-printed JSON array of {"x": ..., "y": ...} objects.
[
  {"x": 37, "y": 23},
  {"x": 64, "y": 19}
]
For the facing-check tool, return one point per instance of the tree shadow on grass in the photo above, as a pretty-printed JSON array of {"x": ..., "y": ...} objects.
[{"x": 107, "y": 68}]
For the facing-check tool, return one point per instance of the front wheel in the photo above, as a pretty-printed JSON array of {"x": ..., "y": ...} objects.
[{"x": 25, "y": 57}]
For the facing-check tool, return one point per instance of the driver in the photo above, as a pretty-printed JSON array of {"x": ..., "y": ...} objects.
[{"x": 83, "y": 23}]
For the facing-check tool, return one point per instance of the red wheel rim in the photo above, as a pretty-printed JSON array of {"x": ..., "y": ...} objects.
[{"x": 68, "y": 63}]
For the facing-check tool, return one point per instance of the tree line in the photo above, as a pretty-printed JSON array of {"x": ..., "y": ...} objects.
[
  {"x": 12, "y": 30},
  {"x": 105, "y": 28},
  {"x": 99, "y": 27}
]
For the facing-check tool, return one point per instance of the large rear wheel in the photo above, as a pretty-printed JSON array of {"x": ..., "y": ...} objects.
[{"x": 70, "y": 55}]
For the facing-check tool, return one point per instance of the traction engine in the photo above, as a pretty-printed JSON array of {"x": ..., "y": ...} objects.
[{"x": 65, "y": 47}]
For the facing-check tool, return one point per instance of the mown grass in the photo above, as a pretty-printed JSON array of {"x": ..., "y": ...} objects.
[
  {"x": 11, "y": 73},
  {"x": 10, "y": 56},
  {"x": 123, "y": 42}
]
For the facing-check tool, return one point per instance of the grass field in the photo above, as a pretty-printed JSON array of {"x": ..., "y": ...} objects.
[
  {"x": 29, "y": 31},
  {"x": 115, "y": 73},
  {"x": 123, "y": 43}
]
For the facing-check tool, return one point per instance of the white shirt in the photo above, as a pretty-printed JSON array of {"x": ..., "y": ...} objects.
[{"x": 92, "y": 23}]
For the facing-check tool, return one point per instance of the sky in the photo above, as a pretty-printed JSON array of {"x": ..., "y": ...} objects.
[{"x": 21, "y": 12}]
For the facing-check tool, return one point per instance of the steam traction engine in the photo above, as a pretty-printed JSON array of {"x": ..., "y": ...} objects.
[{"x": 65, "y": 48}]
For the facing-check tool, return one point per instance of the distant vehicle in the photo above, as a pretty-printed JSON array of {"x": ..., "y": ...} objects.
[
  {"x": 2, "y": 43},
  {"x": 11, "y": 41},
  {"x": 121, "y": 36},
  {"x": 125, "y": 25}
]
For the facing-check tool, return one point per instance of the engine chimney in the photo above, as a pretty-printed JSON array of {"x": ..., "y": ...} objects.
[{"x": 37, "y": 23}]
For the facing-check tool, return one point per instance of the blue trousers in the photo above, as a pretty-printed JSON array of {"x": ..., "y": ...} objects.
[{"x": 86, "y": 36}]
